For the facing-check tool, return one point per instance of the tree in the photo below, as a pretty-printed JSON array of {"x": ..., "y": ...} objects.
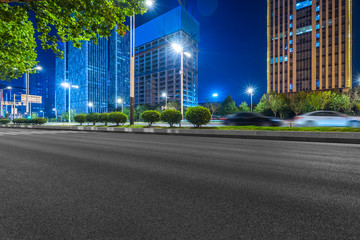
[
  {"x": 65, "y": 116},
  {"x": 228, "y": 106},
  {"x": 117, "y": 118},
  {"x": 244, "y": 107},
  {"x": 274, "y": 103},
  {"x": 298, "y": 102},
  {"x": 339, "y": 102},
  {"x": 151, "y": 117},
  {"x": 198, "y": 116},
  {"x": 56, "y": 20},
  {"x": 319, "y": 100},
  {"x": 354, "y": 98},
  {"x": 213, "y": 107},
  {"x": 263, "y": 105},
  {"x": 174, "y": 105},
  {"x": 80, "y": 118},
  {"x": 93, "y": 118},
  {"x": 105, "y": 118},
  {"x": 171, "y": 117}
]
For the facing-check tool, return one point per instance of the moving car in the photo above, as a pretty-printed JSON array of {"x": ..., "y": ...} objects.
[
  {"x": 325, "y": 119},
  {"x": 251, "y": 119}
]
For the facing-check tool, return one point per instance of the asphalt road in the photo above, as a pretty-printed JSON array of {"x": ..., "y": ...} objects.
[{"x": 76, "y": 185}]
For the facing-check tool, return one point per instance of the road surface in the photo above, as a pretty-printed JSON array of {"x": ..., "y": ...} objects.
[{"x": 77, "y": 185}]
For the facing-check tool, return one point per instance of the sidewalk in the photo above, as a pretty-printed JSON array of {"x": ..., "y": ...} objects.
[{"x": 327, "y": 137}]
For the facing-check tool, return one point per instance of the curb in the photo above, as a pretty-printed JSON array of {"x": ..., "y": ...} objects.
[{"x": 327, "y": 137}]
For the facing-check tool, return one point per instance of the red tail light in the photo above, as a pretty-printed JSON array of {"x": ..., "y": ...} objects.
[{"x": 298, "y": 118}]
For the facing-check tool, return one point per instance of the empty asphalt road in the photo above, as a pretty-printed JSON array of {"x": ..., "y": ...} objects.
[{"x": 75, "y": 185}]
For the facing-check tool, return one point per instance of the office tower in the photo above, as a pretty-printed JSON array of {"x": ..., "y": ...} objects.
[
  {"x": 157, "y": 65},
  {"x": 86, "y": 68},
  {"x": 309, "y": 45},
  {"x": 119, "y": 69}
]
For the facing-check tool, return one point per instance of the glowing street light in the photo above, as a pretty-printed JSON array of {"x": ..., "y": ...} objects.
[
  {"x": 27, "y": 83},
  {"x": 164, "y": 95},
  {"x": 120, "y": 101},
  {"x": 41, "y": 111},
  {"x": 251, "y": 91},
  {"x": 69, "y": 86},
  {"x": 215, "y": 95},
  {"x": 179, "y": 49},
  {"x": 148, "y": 3}
]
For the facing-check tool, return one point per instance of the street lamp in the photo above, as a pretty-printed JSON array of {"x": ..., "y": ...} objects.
[
  {"x": 148, "y": 3},
  {"x": 164, "y": 95},
  {"x": 120, "y": 101},
  {"x": 41, "y": 111},
  {"x": 179, "y": 49},
  {"x": 91, "y": 105},
  {"x": 69, "y": 86},
  {"x": 215, "y": 95},
  {"x": 54, "y": 109},
  {"x": 27, "y": 83},
  {"x": 251, "y": 92},
  {"x": 2, "y": 99}
]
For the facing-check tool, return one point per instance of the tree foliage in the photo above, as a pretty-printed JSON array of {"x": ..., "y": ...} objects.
[
  {"x": 118, "y": 118},
  {"x": 56, "y": 20},
  {"x": 171, "y": 117},
  {"x": 80, "y": 118},
  {"x": 151, "y": 117},
  {"x": 244, "y": 107},
  {"x": 198, "y": 116},
  {"x": 228, "y": 106},
  {"x": 213, "y": 107}
]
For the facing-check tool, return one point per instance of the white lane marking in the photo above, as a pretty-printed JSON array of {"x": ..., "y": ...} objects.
[{"x": 16, "y": 133}]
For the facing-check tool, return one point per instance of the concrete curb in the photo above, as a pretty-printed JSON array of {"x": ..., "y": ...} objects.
[{"x": 329, "y": 137}]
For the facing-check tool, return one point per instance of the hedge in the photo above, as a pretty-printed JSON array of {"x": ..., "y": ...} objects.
[
  {"x": 118, "y": 117},
  {"x": 80, "y": 118},
  {"x": 171, "y": 117},
  {"x": 198, "y": 116},
  {"x": 151, "y": 117}
]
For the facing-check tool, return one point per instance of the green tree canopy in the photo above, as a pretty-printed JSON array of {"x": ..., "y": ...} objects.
[
  {"x": 56, "y": 20},
  {"x": 228, "y": 106},
  {"x": 244, "y": 107}
]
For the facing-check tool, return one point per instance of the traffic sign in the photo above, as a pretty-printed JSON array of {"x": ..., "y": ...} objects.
[{"x": 31, "y": 98}]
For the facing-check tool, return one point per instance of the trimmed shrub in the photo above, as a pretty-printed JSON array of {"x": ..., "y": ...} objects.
[
  {"x": 171, "y": 117},
  {"x": 80, "y": 118},
  {"x": 105, "y": 118},
  {"x": 20, "y": 121},
  {"x": 118, "y": 118},
  {"x": 93, "y": 118},
  {"x": 198, "y": 116},
  {"x": 151, "y": 117},
  {"x": 39, "y": 121},
  {"x": 4, "y": 121}
]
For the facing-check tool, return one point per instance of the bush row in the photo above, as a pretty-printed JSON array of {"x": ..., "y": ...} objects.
[
  {"x": 4, "y": 121},
  {"x": 34, "y": 121},
  {"x": 197, "y": 116},
  {"x": 114, "y": 117}
]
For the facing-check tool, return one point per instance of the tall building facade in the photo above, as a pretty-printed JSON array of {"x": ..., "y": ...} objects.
[
  {"x": 100, "y": 71},
  {"x": 119, "y": 70},
  {"x": 309, "y": 45},
  {"x": 157, "y": 65}
]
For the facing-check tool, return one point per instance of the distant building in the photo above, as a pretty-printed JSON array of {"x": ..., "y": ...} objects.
[
  {"x": 119, "y": 70},
  {"x": 158, "y": 65},
  {"x": 309, "y": 45},
  {"x": 101, "y": 71}
]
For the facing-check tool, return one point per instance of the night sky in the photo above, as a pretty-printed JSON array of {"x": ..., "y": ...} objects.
[{"x": 232, "y": 45}]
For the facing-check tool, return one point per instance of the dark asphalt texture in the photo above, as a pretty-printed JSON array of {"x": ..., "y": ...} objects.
[{"x": 57, "y": 185}]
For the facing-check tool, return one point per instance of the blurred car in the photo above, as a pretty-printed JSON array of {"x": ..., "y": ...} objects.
[
  {"x": 325, "y": 119},
  {"x": 251, "y": 119},
  {"x": 215, "y": 117}
]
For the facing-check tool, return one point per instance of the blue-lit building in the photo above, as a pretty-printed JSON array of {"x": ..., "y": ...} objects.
[
  {"x": 100, "y": 71},
  {"x": 157, "y": 65},
  {"x": 119, "y": 70}
]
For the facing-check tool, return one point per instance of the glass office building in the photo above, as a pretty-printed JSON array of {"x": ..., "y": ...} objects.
[
  {"x": 309, "y": 45},
  {"x": 157, "y": 65},
  {"x": 101, "y": 72},
  {"x": 119, "y": 68}
]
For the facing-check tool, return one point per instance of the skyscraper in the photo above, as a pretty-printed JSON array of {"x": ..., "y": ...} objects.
[
  {"x": 309, "y": 45},
  {"x": 157, "y": 65},
  {"x": 101, "y": 72},
  {"x": 119, "y": 69}
]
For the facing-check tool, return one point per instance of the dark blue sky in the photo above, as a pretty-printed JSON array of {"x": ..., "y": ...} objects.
[{"x": 232, "y": 47}]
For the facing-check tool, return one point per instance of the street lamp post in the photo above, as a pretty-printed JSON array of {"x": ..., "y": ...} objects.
[
  {"x": 27, "y": 83},
  {"x": 120, "y": 101},
  {"x": 2, "y": 99},
  {"x": 178, "y": 48},
  {"x": 251, "y": 92},
  {"x": 164, "y": 95},
  {"x": 54, "y": 109},
  {"x": 149, "y": 3},
  {"x": 41, "y": 111},
  {"x": 69, "y": 86}
]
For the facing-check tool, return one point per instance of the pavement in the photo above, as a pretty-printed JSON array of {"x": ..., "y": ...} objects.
[{"x": 93, "y": 185}]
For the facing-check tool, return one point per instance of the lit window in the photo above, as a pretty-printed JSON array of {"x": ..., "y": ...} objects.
[
  {"x": 318, "y": 44},
  {"x": 291, "y": 50},
  {"x": 290, "y": 25},
  {"x": 317, "y": 83},
  {"x": 291, "y": 86},
  {"x": 317, "y": 26},
  {"x": 317, "y": 17},
  {"x": 318, "y": 8},
  {"x": 291, "y": 17},
  {"x": 291, "y": 42},
  {"x": 291, "y": 33},
  {"x": 318, "y": 35}
]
